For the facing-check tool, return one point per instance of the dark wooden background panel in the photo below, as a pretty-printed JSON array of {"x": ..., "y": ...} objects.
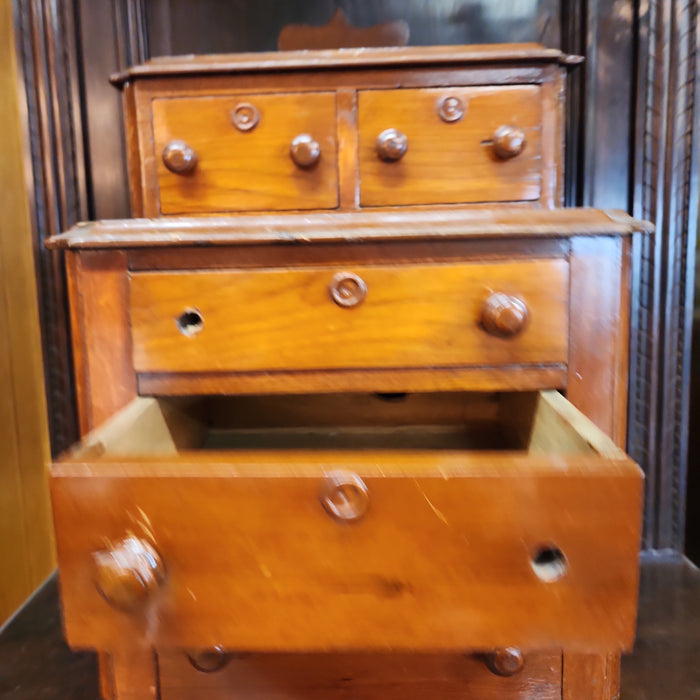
[{"x": 213, "y": 26}]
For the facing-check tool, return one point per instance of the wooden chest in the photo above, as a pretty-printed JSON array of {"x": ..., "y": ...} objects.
[{"x": 343, "y": 453}]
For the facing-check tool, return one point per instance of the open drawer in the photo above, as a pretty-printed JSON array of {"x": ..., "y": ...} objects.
[{"x": 349, "y": 522}]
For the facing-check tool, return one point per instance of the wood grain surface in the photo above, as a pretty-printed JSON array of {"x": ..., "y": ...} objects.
[
  {"x": 104, "y": 376},
  {"x": 413, "y": 316},
  {"x": 26, "y": 537},
  {"x": 442, "y": 560},
  {"x": 247, "y": 170},
  {"x": 434, "y": 225},
  {"x": 449, "y": 162},
  {"x": 366, "y": 676},
  {"x": 517, "y": 54}
]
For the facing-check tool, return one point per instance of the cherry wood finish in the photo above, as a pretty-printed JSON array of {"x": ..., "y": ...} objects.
[
  {"x": 524, "y": 158},
  {"x": 485, "y": 89},
  {"x": 380, "y": 676},
  {"x": 431, "y": 161},
  {"x": 506, "y": 54},
  {"x": 436, "y": 226},
  {"x": 253, "y": 565},
  {"x": 254, "y": 168},
  {"x": 97, "y": 290},
  {"x": 402, "y": 317}
]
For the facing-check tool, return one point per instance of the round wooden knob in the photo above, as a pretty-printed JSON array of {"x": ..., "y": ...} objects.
[
  {"x": 451, "y": 109},
  {"x": 508, "y": 142},
  {"x": 344, "y": 496},
  {"x": 391, "y": 145},
  {"x": 503, "y": 315},
  {"x": 347, "y": 289},
  {"x": 129, "y": 573},
  {"x": 209, "y": 660},
  {"x": 505, "y": 662},
  {"x": 305, "y": 151},
  {"x": 179, "y": 158}
]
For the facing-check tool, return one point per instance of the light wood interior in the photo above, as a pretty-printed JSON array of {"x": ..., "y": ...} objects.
[
  {"x": 26, "y": 538},
  {"x": 520, "y": 422}
]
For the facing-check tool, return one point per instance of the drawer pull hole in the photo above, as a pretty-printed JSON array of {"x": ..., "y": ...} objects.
[
  {"x": 189, "y": 322},
  {"x": 549, "y": 564}
]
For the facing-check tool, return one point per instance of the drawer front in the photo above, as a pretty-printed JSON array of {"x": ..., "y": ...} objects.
[
  {"x": 389, "y": 676},
  {"x": 286, "y": 319},
  {"x": 442, "y": 559},
  {"x": 241, "y": 153},
  {"x": 450, "y": 161}
]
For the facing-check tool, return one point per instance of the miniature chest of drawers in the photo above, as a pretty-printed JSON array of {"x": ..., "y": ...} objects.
[{"x": 328, "y": 451}]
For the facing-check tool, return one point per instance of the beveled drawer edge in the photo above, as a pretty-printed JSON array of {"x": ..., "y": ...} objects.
[
  {"x": 480, "y": 378},
  {"x": 350, "y": 227}
]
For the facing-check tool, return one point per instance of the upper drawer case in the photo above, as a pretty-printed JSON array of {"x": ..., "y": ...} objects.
[
  {"x": 237, "y": 153},
  {"x": 476, "y": 144},
  {"x": 482, "y": 123}
]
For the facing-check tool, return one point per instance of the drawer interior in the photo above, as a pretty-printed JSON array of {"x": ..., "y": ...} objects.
[
  {"x": 518, "y": 422},
  {"x": 412, "y": 522}
]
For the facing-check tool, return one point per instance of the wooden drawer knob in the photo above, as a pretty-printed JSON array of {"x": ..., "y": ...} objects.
[
  {"x": 209, "y": 660},
  {"x": 245, "y": 116},
  {"x": 129, "y": 573},
  {"x": 508, "y": 142},
  {"x": 391, "y": 145},
  {"x": 347, "y": 289},
  {"x": 179, "y": 158},
  {"x": 344, "y": 496},
  {"x": 305, "y": 151},
  {"x": 451, "y": 109},
  {"x": 504, "y": 315},
  {"x": 505, "y": 662}
]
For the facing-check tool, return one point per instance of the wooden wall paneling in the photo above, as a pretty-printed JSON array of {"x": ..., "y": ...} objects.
[
  {"x": 47, "y": 65},
  {"x": 26, "y": 532},
  {"x": 665, "y": 191}
]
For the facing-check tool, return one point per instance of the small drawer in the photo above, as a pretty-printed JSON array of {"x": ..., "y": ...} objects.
[
  {"x": 392, "y": 316},
  {"x": 450, "y": 145},
  {"x": 349, "y": 522},
  {"x": 246, "y": 153}
]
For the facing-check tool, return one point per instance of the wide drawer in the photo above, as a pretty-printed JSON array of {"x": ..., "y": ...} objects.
[
  {"x": 433, "y": 522},
  {"x": 450, "y": 145},
  {"x": 391, "y": 316},
  {"x": 246, "y": 152}
]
